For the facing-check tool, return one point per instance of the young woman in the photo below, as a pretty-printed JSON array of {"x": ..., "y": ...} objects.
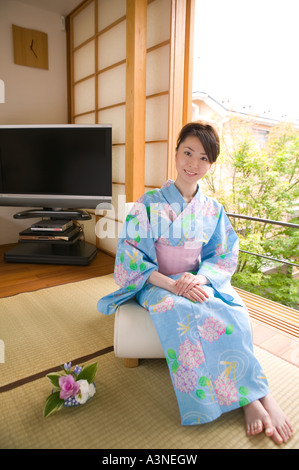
[{"x": 176, "y": 254}]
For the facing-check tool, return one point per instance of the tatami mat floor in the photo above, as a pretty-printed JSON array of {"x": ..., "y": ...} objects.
[{"x": 277, "y": 342}]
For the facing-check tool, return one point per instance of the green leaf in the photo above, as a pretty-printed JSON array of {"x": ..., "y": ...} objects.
[
  {"x": 142, "y": 267},
  {"x": 175, "y": 366},
  {"x": 243, "y": 391},
  {"x": 151, "y": 191},
  {"x": 203, "y": 381},
  {"x": 133, "y": 265},
  {"x": 229, "y": 329},
  {"x": 131, "y": 287},
  {"x": 200, "y": 394},
  {"x": 243, "y": 401},
  {"x": 88, "y": 372},
  {"x": 122, "y": 257},
  {"x": 54, "y": 378},
  {"x": 171, "y": 353},
  {"x": 53, "y": 403}
]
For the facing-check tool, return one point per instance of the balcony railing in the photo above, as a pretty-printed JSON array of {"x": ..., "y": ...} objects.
[
  {"x": 262, "y": 309},
  {"x": 266, "y": 221}
]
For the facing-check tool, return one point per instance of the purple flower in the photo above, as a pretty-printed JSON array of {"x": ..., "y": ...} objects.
[
  {"x": 77, "y": 370},
  {"x": 69, "y": 386},
  {"x": 185, "y": 380}
]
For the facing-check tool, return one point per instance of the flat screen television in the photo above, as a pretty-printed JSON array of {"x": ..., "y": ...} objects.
[{"x": 56, "y": 168}]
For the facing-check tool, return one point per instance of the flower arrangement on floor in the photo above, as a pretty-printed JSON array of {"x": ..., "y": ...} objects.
[{"x": 71, "y": 388}]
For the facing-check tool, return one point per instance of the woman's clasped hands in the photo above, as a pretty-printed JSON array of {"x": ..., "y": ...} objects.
[{"x": 190, "y": 286}]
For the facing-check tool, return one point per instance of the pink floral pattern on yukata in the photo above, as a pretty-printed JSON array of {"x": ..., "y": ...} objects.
[
  {"x": 166, "y": 304},
  {"x": 123, "y": 278},
  {"x": 139, "y": 211},
  {"x": 227, "y": 264},
  {"x": 191, "y": 355},
  {"x": 142, "y": 217},
  {"x": 221, "y": 249},
  {"x": 212, "y": 329},
  {"x": 225, "y": 390},
  {"x": 164, "y": 241},
  {"x": 167, "y": 184},
  {"x": 209, "y": 209},
  {"x": 168, "y": 213}
]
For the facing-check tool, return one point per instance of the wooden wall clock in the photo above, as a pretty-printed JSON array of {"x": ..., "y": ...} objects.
[{"x": 30, "y": 47}]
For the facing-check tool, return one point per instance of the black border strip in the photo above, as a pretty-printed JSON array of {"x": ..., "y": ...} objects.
[{"x": 39, "y": 375}]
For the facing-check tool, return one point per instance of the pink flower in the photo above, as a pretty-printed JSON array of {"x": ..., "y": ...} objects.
[
  {"x": 191, "y": 354},
  {"x": 166, "y": 303},
  {"x": 225, "y": 390},
  {"x": 69, "y": 386},
  {"x": 212, "y": 329}
]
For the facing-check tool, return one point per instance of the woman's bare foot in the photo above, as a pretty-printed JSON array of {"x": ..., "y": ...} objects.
[
  {"x": 282, "y": 429},
  {"x": 257, "y": 419}
]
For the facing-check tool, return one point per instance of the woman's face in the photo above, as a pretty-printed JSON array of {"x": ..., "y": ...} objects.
[{"x": 192, "y": 162}]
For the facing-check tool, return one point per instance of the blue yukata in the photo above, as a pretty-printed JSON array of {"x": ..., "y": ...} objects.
[{"x": 207, "y": 345}]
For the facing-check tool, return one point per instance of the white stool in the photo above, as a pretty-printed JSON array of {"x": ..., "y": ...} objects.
[{"x": 135, "y": 336}]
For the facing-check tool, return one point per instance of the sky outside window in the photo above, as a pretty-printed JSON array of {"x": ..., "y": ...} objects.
[{"x": 246, "y": 55}]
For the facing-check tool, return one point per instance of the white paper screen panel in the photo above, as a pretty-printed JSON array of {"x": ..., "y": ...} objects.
[
  {"x": 108, "y": 14},
  {"x": 157, "y": 70},
  {"x": 118, "y": 200},
  {"x": 84, "y": 61},
  {"x": 118, "y": 204},
  {"x": 85, "y": 119},
  {"x": 117, "y": 117},
  {"x": 83, "y": 25},
  {"x": 112, "y": 86},
  {"x": 107, "y": 228},
  {"x": 112, "y": 46},
  {"x": 110, "y": 231},
  {"x": 155, "y": 163},
  {"x": 84, "y": 96},
  {"x": 158, "y": 22},
  {"x": 118, "y": 163},
  {"x": 156, "y": 123}
]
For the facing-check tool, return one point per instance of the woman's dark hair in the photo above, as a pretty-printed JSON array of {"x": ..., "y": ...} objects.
[{"x": 207, "y": 135}]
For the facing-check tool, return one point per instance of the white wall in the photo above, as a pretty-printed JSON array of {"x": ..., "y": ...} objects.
[{"x": 32, "y": 95}]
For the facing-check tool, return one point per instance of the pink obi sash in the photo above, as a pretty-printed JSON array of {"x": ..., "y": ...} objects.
[{"x": 177, "y": 259}]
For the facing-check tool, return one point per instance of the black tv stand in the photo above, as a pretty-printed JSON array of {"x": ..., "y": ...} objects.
[
  {"x": 53, "y": 214},
  {"x": 77, "y": 252}
]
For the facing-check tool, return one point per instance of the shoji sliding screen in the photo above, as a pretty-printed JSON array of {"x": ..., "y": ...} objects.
[
  {"x": 100, "y": 64},
  {"x": 98, "y": 86},
  {"x": 157, "y": 92}
]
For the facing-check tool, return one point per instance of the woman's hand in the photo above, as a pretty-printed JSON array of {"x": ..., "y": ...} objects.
[{"x": 190, "y": 286}]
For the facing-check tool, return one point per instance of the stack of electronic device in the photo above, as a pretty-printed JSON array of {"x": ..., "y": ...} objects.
[{"x": 54, "y": 231}]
